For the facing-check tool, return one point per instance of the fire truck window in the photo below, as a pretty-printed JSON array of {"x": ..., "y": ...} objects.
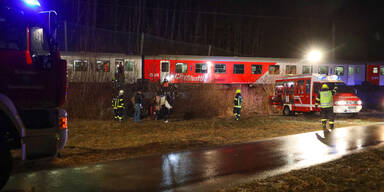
[
  {"x": 339, "y": 71},
  {"x": 291, "y": 87},
  {"x": 323, "y": 70},
  {"x": 307, "y": 86},
  {"x": 200, "y": 68},
  {"x": 128, "y": 65},
  {"x": 238, "y": 69},
  {"x": 12, "y": 37},
  {"x": 317, "y": 87},
  {"x": 80, "y": 65},
  {"x": 307, "y": 69},
  {"x": 257, "y": 69},
  {"x": 165, "y": 66},
  {"x": 382, "y": 70},
  {"x": 357, "y": 70},
  {"x": 220, "y": 68},
  {"x": 300, "y": 87},
  {"x": 181, "y": 68},
  {"x": 102, "y": 66},
  {"x": 290, "y": 69},
  {"x": 375, "y": 70},
  {"x": 350, "y": 70},
  {"x": 39, "y": 41},
  {"x": 274, "y": 69}
]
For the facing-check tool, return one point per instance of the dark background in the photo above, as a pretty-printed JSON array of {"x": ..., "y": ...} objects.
[{"x": 265, "y": 28}]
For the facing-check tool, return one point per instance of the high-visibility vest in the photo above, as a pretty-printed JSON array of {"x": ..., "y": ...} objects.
[
  {"x": 326, "y": 99},
  {"x": 118, "y": 103},
  {"x": 237, "y": 101}
]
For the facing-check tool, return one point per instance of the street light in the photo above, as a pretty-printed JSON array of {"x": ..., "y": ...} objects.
[{"x": 314, "y": 56}]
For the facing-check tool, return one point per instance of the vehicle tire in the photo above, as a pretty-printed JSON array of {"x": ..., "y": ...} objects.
[
  {"x": 5, "y": 163},
  {"x": 286, "y": 111}
]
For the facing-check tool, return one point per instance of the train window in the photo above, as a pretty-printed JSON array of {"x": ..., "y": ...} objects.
[
  {"x": 350, "y": 71},
  {"x": 257, "y": 69},
  {"x": 274, "y": 69},
  {"x": 80, "y": 65},
  {"x": 181, "y": 68},
  {"x": 323, "y": 70},
  {"x": 339, "y": 71},
  {"x": 290, "y": 69},
  {"x": 307, "y": 69},
  {"x": 128, "y": 65},
  {"x": 102, "y": 65},
  {"x": 357, "y": 70},
  {"x": 375, "y": 70},
  {"x": 164, "y": 66},
  {"x": 238, "y": 68},
  {"x": 307, "y": 86},
  {"x": 382, "y": 70},
  {"x": 200, "y": 68},
  {"x": 220, "y": 68},
  {"x": 300, "y": 87}
]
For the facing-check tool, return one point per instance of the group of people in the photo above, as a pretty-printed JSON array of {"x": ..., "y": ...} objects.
[{"x": 161, "y": 107}]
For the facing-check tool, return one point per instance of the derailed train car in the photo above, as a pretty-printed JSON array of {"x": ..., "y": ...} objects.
[{"x": 103, "y": 67}]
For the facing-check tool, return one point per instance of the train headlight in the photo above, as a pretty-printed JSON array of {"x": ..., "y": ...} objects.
[
  {"x": 359, "y": 102},
  {"x": 340, "y": 102}
]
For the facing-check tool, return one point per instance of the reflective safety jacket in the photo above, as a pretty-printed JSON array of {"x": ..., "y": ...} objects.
[
  {"x": 238, "y": 100},
  {"x": 118, "y": 102},
  {"x": 325, "y": 98}
]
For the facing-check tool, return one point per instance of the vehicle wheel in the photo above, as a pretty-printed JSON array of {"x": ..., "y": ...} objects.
[
  {"x": 286, "y": 111},
  {"x": 5, "y": 163}
]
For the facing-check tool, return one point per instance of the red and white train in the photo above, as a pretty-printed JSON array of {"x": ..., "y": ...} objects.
[{"x": 101, "y": 67}]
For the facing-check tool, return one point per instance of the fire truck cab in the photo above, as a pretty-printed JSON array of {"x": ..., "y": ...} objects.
[{"x": 298, "y": 94}]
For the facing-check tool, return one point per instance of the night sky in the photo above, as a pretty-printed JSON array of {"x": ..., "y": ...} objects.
[{"x": 273, "y": 28}]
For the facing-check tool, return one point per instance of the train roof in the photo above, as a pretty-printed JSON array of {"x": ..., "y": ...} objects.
[{"x": 96, "y": 54}]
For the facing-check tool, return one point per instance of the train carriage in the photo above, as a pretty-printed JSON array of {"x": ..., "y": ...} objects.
[{"x": 102, "y": 67}]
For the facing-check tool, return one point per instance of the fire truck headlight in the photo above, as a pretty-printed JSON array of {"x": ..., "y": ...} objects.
[
  {"x": 359, "y": 102},
  {"x": 340, "y": 102},
  {"x": 32, "y": 3}
]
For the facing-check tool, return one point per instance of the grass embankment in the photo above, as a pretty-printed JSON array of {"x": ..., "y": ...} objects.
[
  {"x": 357, "y": 172},
  {"x": 99, "y": 141}
]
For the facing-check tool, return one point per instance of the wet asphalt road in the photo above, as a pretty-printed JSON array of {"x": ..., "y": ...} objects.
[{"x": 205, "y": 170}]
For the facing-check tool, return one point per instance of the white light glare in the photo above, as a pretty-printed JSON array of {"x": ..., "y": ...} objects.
[
  {"x": 32, "y": 3},
  {"x": 340, "y": 102},
  {"x": 314, "y": 56}
]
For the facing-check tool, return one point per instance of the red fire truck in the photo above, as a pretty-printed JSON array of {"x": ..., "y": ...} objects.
[
  {"x": 32, "y": 85},
  {"x": 298, "y": 94}
]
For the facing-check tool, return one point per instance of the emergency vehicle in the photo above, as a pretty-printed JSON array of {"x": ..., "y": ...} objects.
[
  {"x": 298, "y": 94},
  {"x": 32, "y": 84}
]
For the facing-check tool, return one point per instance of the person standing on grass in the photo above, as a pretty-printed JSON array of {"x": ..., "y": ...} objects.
[
  {"x": 138, "y": 106},
  {"x": 165, "y": 108},
  {"x": 325, "y": 98},
  {"x": 118, "y": 106},
  {"x": 237, "y": 104}
]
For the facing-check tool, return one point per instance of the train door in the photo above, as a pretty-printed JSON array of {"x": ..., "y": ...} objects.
[
  {"x": 351, "y": 75},
  {"x": 129, "y": 70},
  {"x": 381, "y": 75},
  {"x": 119, "y": 70},
  {"x": 373, "y": 74},
  {"x": 165, "y": 66}
]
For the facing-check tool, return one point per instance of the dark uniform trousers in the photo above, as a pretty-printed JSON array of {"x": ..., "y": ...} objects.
[{"x": 327, "y": 114}]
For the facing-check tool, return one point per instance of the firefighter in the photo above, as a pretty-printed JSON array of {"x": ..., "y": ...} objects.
[
  {"x": 118, "y": 106},
  {"x": 237, "y": 104},
  {"x": 325, "y": 99}
]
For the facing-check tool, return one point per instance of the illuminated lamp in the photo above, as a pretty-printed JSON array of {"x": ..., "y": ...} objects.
[
  {"x": 314, "y": 56},
  {"x": 32, "y": 3}
]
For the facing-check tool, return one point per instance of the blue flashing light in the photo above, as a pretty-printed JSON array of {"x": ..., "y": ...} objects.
[{"x": 32, "y": 3}]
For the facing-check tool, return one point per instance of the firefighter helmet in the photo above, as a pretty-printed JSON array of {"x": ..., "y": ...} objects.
[
  {"x": 238, "y": 91},
  {"x": 121, "y": 92},
  {"x": 325, "y": 86}
]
